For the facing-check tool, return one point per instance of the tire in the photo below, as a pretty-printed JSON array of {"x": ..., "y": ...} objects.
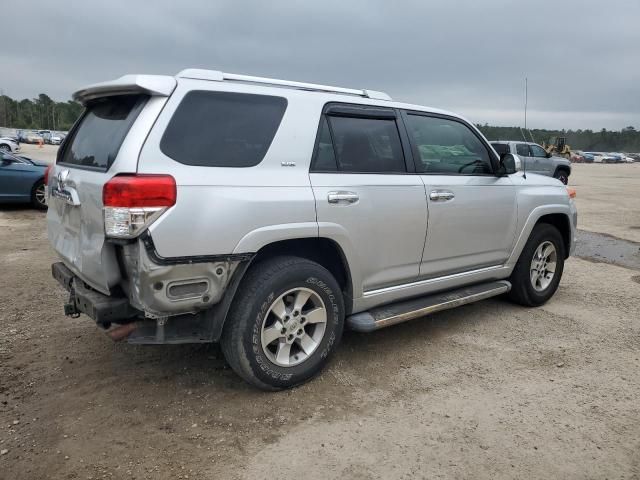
[
  {"x": 562, "y": 175},
  {"x": 38, "y": 196},
  {"x": 5, "y": 148},
  {"x": 524, "y": 290},
  {"x": 254, "y": 343}
]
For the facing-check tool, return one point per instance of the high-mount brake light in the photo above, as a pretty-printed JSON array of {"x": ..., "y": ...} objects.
[{"x": 132, "y": 202}]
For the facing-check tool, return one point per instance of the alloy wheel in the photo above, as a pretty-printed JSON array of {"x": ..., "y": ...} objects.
[
  {"x": 293, "y": 327},
  {"x": 543, "y": 266},
  {"x": 41, "y": 196}
]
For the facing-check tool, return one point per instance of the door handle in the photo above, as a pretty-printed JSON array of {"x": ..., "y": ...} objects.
[
  {"x": 342, "y": 197},
  {"x": 441, "y": 195}
]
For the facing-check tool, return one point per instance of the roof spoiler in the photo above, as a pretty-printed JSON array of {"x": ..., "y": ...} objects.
[{"x": 155, "y": 85}]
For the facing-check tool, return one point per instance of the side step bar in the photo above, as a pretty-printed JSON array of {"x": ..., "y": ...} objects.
[{"x": 394, "y": 313}]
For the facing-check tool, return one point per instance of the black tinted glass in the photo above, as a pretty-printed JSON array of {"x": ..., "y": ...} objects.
[
  {"x": 501, "y": 148},
  {"x": 98, "y": 136},
  {"x": 447, "y": 147},
  {"x": 221, "y": 129},
  {"x": 325, "y": 159},
  {"x": 367, "y": 145}
]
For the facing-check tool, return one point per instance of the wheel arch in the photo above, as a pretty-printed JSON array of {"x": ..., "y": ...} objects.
[
  {"x": 556, "y": 215},
  {"x": 561, "y": 222},
  {"x": 323, "y": 251}
]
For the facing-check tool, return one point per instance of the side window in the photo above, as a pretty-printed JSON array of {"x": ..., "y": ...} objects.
[
  {"x": 522, "y": 149},
  {"x": 222, "y": 129},
  {"x": 447, "y": 147},
  {"x": 325, "y": 157},
  {"x": 501, "y": 148},
  {"x": 537, "y": 151},
  {"x": 364, "y": 145}
]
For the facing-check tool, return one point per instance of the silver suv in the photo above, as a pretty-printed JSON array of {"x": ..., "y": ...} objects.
[
  {"x": 268, "y": 215},
  {"x": 535, "y": 159}
]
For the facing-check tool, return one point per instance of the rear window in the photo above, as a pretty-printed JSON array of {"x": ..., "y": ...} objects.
[
  {"x": 97, "y": 138},
  {"x": 222, "y": 129}
]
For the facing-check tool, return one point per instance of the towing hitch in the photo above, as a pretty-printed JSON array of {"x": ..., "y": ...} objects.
[{"x": 70, "y": 308}]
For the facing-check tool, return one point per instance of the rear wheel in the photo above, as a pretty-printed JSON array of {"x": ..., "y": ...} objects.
[
  {"x": 38, "y": 196},
  {"x": 286, "y": 320},
  {"x": 562, "y": 175},
  {"x": 537, "y": 274}
]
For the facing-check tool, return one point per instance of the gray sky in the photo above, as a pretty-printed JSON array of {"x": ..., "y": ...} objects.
[{"x": 582, "y": 58}]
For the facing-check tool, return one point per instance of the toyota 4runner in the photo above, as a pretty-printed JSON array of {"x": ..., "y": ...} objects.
[{"x": 268, "y": 215}]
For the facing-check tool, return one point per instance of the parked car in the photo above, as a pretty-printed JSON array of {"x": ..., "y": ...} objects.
[
  {"x": 536, "y": 159},
  {"x": 8, "y": 144},
  {"x": 55, "y": 139},
  {"x": 589, "y": 157},
  {"x": 22, "y": 181},
  {"x": 31, "y": 137},
  {"x": 268, "y": 215}
]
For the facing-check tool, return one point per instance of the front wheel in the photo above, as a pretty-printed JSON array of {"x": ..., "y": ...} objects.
[
  {"x": 537, "y": 274},
  {"x": 5, "y": 148},
  {"x": 285, "y": 322}
]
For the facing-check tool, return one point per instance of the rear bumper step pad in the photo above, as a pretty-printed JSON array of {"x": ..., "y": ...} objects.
[{"x": 388, "y": 315}]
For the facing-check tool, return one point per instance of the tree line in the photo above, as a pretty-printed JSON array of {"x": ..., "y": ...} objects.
[
  {"x": 41, "y": 113},
  {"x": 626, "y": 140}
]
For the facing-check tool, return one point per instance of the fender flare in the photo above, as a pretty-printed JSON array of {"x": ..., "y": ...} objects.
[{"x": 533, "y": 218}]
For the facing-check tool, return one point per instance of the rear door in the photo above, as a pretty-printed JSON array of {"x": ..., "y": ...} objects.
[
  {"x": 472, "y": 212},
  {"x": 366, "y": 197},
  {"x": 96, "y": 150}
]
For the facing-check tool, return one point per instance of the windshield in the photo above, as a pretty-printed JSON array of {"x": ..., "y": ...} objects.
[{"x": 8, "y": 157}]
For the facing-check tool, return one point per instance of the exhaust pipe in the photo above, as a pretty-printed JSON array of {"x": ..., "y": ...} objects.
[{"x": 123, "y": 331}]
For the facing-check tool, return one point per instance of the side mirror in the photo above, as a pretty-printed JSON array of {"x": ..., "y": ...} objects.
[{"x": 509, "y": 163}]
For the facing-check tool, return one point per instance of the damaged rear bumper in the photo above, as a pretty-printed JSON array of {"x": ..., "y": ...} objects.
[{"x": 103, "y": 309}]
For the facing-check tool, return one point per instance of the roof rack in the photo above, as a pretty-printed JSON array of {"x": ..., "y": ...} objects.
[{"x": 215, "y": 75}]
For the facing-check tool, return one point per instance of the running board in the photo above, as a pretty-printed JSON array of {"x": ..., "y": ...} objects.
[{"x": 394, "y": 313}]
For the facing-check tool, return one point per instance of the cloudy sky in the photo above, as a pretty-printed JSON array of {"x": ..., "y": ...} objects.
[{"x": 582, "y": 58}]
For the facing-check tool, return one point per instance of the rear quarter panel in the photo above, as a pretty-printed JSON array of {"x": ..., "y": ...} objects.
[{"x": 227, "y": 210}]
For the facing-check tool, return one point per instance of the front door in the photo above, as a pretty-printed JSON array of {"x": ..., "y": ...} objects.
[
  {"x": 472, "y": 212},
  {"x": 541, "y": 162},
  {"x": 524, "y": 152},
  {"x": 366, "y": 199}
]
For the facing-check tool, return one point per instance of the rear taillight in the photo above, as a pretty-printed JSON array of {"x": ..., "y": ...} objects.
[
  {"x": 133, "y": 202},
  {"x": 46, "y": 175}
]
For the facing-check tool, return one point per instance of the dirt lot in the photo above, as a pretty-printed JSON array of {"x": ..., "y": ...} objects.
[{"x": 488, "y": 390}]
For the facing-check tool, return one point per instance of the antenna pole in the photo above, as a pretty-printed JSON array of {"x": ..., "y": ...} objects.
[{"x": 526, "y": 94}]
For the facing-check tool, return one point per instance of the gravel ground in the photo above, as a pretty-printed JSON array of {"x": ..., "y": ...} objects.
[{"x": 489, "y": 390}]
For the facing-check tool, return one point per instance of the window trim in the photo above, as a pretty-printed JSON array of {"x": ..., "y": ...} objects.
[
  {"x": 494, "y": 162},
  {"x": 354, "y": 110}
]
